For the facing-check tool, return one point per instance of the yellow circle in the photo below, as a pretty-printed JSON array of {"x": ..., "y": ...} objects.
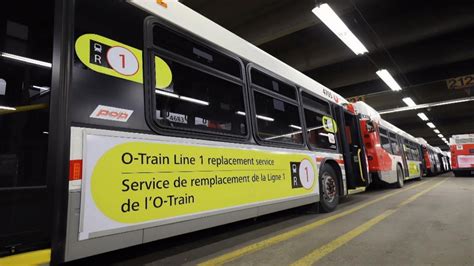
[{"x": 163, "y": 75}]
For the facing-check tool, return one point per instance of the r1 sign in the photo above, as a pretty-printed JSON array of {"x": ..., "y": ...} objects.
[{"x": 122, "y": 60}]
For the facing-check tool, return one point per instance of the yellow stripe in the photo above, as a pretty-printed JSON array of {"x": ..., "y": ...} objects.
[
  {"x": 29, "y": 258},
  {"x": 319, "y": 253},
  {"x": 293, "y": 233},
  {"x": 357, "y": 190}
]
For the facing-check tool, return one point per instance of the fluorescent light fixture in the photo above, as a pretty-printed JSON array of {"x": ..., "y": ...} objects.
[
  {"x": 266, "y": 118},
  {"x": 325, "y": 13},
  {"x": 240, "y": 113},
  {"x": 26, "y": 60},
  {"x": 431, "y": 125},
  {"x": 436, "y": 131},
  {"x": 388, "y": 79},
  {"x": 440, "y": 136},
  {"x": 409, "y": 101},
  {"x": 192, "y": 100},
  {"x": 165, "y": 93},
  {"x": 295, "y": 127},
  {"x": 7, "y": 108},
  {"x": 45, "y": 132},
  {"x": 423, "y": 116}
]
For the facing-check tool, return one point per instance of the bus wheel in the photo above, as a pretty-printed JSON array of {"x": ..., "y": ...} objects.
[
  {"x": 400, "y": 178},
  {"x": 458, "y": 173},
  {"x": 329, "y": 188}
]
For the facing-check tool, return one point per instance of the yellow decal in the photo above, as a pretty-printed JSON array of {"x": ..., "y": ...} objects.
[
  {"x": 329, "y": 124},
  {"x": 139, "y": 181},
  {"x": 116, "y": 59},
  {"x": 413, "y": 168}
]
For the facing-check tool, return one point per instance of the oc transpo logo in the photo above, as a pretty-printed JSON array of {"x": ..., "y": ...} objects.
[{"x": 331, "y": 95}]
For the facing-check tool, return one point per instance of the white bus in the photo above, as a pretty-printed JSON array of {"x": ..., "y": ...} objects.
[{"x": 141, "y": 120}]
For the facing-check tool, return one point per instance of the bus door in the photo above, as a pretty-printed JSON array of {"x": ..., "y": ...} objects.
[
  {"x": 25, "y": 81},
  {"x": 352, "y": 148},
  {"x": 405, "y": 154}
]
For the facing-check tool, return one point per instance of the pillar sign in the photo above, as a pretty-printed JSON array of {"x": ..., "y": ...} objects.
[{"x": 460, "y": 82}]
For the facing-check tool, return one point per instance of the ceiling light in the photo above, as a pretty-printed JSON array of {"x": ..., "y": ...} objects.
[
  {"x": 423, "y": 116},
  {"x": 436, "y": 131},
  {"x": 388, "y": 79},
  {"x": 295, "y": 127},
  {"x": 189, "y": 99},
  {"x": 441, "y": 136},
  {"x": 409, "y": 101},
  {"x": 266, "y": 118},
  {"x": 26, "y": 60},
  {"x": 431, "y": 125},
  {"x": 325, "y": 13},
  {"x": 7, "y": 108},
  {"x": 240, "y": 113}
]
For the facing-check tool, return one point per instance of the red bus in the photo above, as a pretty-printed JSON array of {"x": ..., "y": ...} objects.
[
  {"x": 462, "y": 154},
  {"x": 393, "y": 155}
]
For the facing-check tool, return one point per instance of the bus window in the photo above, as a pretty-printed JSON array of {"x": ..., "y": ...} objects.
[
  {"x": 183, "y": 46},
  {"x": 201, "y": 102},
  {"x": 263, "y": 80},
  {"x": 277, "y": 120},
  {"x": 394, "y": 143},
  {"x": 194, "y": 87},
  {"x": 24, "y": 124},
  {"x": 385, "y": 142},
  {"x": 315, "y": 112}
]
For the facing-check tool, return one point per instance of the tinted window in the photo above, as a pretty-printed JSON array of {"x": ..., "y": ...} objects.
[
  {"x": 416, "y": 152},
  {"x": 385, "y": 143},
  {"x": 199, "y": 101},
  {"x": 318, "y": 123},
  {"x": 395, "y": 145},
  {"x": 183, "y": 46},
  {"x": 272, "y": 84},
  {"x": 277, "y": 120}
]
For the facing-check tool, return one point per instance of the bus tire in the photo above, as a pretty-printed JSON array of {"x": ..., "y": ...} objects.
[
  {"x": 458, "y": 173},
  {"x": 400, "y": 177},
  {"x": 329, "y": 189}
]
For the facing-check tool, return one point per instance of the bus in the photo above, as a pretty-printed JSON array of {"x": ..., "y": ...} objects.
[
  {"x": 125, "y": 122},
  {"x": 393, "y": 155},
  {"x": 433, "y": 162},
  {"x": 462, "y": 154}
]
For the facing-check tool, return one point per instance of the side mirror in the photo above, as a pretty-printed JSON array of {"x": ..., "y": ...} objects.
[{"x": 370, "y": 126}]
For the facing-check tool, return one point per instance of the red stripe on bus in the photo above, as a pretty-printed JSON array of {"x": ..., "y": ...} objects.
[{"x": 75, "y": 170}]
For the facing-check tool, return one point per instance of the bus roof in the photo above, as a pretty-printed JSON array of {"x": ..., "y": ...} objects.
[
  {"x": 461, "y": 139},
  {"x": 186, "y": 18}
]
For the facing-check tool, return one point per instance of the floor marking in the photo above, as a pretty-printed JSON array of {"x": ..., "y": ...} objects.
[
  {"x": 28, "y": 258},
  {"x": 295, "y": 232},
  {"x": 326, "y": 249}
]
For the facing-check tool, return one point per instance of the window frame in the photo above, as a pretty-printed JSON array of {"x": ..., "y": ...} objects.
[
  {"x": 150, "y": 50},
  {"x": 395, "y": 141},
  {"x": 331, "y": 111},
  {"x": 387, "y": 137},
  {"x": 252, "y": 88}
]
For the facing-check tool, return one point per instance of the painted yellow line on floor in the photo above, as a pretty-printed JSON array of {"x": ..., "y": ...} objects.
[
  {"x": 28, "y": 258},
  {"x": 233, "y": 255},
  {"x": 321, "y": 252},
  {"x": 357, "y": 190}
]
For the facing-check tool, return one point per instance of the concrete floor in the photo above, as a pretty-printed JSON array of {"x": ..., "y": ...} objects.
[{"x": 423, "y": 224}]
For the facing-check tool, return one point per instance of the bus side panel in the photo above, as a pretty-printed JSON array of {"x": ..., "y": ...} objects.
[{"x": 90, "y": 88}]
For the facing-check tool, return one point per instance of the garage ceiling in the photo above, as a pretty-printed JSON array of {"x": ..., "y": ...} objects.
[{"x": 422, "y": 43}]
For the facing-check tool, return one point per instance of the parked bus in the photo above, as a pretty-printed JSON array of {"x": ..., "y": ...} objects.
[
  {"x": 433, "y": 164},
  {"x": 132, "y": 121},
  {"x": 462, "y": 154},
  {"x": 393, "y": 155}
]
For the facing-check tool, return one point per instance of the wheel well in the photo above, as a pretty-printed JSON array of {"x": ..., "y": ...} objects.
[{"x": 336, "y": 168}]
